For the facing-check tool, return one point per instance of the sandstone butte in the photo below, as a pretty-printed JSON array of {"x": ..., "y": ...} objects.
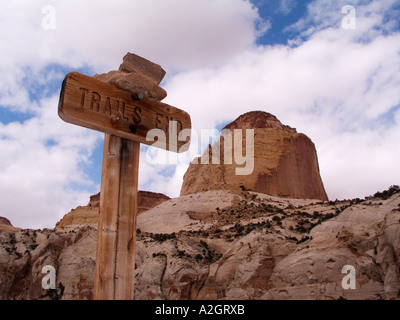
[{"x": 285, "y": 163}]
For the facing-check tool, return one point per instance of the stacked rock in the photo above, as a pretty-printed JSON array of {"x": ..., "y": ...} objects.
[{"x": 137, "y": 75}]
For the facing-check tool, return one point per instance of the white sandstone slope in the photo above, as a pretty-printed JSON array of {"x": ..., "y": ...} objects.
[{"x": 224, "y": 245}]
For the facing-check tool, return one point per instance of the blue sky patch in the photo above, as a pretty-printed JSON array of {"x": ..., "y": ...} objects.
[{"x": 280, "y": 18}]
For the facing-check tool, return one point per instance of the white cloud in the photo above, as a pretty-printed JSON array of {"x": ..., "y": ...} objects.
[
  {"x": 176, "y": 33},
  {"x": 371, "y": 16},
  {"x": 43, "y": 159},
  {"x": 337, "y": 86},
  {"x": 41, "y": 168},
  {"x": 286, "y": 6}
]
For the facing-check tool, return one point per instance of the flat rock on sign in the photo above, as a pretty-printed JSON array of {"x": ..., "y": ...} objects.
[
  {"x": 93, "y": 104},
  {"x": 126, "y": 118}
]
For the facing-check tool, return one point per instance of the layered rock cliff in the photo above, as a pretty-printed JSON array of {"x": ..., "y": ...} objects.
[{"x": 285, "y": 163}]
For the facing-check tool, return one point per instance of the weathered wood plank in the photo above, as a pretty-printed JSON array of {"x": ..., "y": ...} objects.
[
  {"x": 125, "y": 266},
  {"x": 100, "y": 106},
  {"x": 115, "y": 259}
]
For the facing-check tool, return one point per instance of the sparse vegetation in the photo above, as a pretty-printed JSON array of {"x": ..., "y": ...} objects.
[
  {"x": 247, "y": 214},
  {"x": 303, "y": 239},
  {"x": 384, "y": 195},
  {"x": 161, "y": 237},
  {"x": 33, "y": 246},
  {"x": 198, "y": 257},
  {"x": 54, "y": 294}
]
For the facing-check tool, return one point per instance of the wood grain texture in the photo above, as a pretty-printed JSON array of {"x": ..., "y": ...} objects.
[
  {"x": 100, "y": 106},
  {"x": 115, "y": 259}
]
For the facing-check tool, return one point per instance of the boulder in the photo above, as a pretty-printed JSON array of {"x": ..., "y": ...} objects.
[
  {"x": 133, "y": 63},
  {"x": 134, "y": 83},
  {"x": 138, "y": 76}
]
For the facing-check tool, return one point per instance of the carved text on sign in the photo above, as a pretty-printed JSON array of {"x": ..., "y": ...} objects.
[
  {"x": 100, "y": 106},
  {"x": 117, "y": 109}
]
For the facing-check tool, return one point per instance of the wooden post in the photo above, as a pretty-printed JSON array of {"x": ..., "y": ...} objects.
[
  {"x": 126, "y": 122},
  {"x": 115, "y": 262}
]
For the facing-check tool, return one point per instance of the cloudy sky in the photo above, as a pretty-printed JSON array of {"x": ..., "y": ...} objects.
[{"x": 302, "y": 61}]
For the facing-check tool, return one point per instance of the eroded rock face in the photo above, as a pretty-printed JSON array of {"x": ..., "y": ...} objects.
[
  {"x": 261, "y": 247},
  {"x": 5, "y": 225},
  {"x": 24, "y": 253},
  {"x": 80, "y": 216},
  {"x": 285, "y": 163},
  {"x": 225, "y": 245},
  {"x": 148, "y": 200}
]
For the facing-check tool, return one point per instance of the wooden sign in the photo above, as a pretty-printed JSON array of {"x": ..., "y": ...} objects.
[
  {"x": 93, "y": 104},
  {"x": 126, "y": 121}
]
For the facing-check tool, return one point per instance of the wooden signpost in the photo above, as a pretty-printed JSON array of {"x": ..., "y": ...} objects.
[
  {"x": 93, "y": 104},
  {"x": 126, "y": 120}
]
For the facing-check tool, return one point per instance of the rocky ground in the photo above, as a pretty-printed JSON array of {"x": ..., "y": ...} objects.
[{"x": 224, "y": 245}]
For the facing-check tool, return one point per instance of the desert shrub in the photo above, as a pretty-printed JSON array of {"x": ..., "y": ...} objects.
[
  {"x": 54, "y": 294},
  {"x": 384, "y": 195},
  {"x": 328, "y": 216},
  {"x": 249, "y": 229},
  {"x": 303, "y": 239},
  {"x": 300, "y": 228},
  {"x": 198, "y": 257},
  {"x": 239, "y": 229},
  {"x": 161, "y": 237},
  {"x": 204, "y": 244},
  {"x": 316, "y": 214},
  {"x": 355, "y": 201},
  {"x": 33, "y": 246}
]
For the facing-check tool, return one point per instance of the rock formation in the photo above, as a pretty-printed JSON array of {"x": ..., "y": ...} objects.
[
  {"x": 137, "y": 75},
  {"x": 89, "y": 215},
  {"x": 6, "y": 226},
  {"x": 285, "y": 163},
  {"x": 148, "y": 200},
  {"x": 225, "y": 245}
]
